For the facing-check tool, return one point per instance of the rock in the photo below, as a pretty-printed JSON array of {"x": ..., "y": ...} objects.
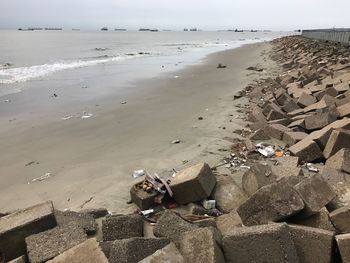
[
  {"x": 306, "y": 100},
  {"x": 276, "y": 131},
  {"x": 264, "y": 243},
  {"x": 271, "y": 106},
  {"x": 283, "y": 122},
  {"x": 340, "y": 160},
  {"x": 285, "y": 171},
  {"x": 264, "y": 207},
  {"x": 256, "y": 177},
  {"x": 171, "y": 226},
  {"x": 195, "y": 209},
  {"x": 319, "y": 120},
  {"x": 135, "y": 249},
  {"x": 259, "y": 135},
  {"x": 15, "y": 227},
  {"x": 198, "y": 177},
  {"x": 122, "y": 227},
  {"x": 50, "y": 243},
  {"x": 228, "y": 222},
  {"x": 290, "y": 105},
  {"x": 315, "y": 192},
  {"x": 287, "y": 161},
  {"x": 343, "y": 242},
  {"x": 167, "y": 254},
  {"x": 292, "y": 138},
  {"x": 297, "y": 123},
  {"x": 95, "y": 212},
  {"x": 339, "y": 139},
  {"x": 319, "y": 220},
  {"x": 106, "y": 247},
  {"x": 341, "y": 219},
  {"x": 208, "y": 222},
  {"x": 344, "y": 110},
  {"x": 141, "y": 198},
  {"x": 321, "y": 136},
  {"x": 228, "y": 194},
  {"x": 85, "y": 221},
  {"x": 201, "y": 245},
  {"x": 312, "y": 244},
  {"x": 307, "y": 150},
  {"x": 88, "y": 251},
  {"x": 275, "y": 115}
]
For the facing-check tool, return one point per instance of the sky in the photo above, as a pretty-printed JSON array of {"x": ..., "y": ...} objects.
[{"x": 175, "y": 14}]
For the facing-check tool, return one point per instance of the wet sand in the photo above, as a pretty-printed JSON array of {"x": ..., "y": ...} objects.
[{"x": 90, "y": 161}]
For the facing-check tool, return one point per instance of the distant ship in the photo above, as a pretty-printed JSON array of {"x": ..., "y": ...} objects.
[
  {"x": 53, "y": 28},
  {"x": 193, "y": 29},
  {"x": 29, "y": 29},
  {"x": 144, "y": 29},
  {"x": 154, "y": 30},
  {"x": 104, "y": 29},
  {"x": 253, "y": 30},
  {"x": 119, "y": 29},
  {"x": 239, "y": 31},
  {"x": 186, "y": 29}
]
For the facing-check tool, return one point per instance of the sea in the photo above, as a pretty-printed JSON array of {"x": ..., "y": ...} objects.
[{"x": 106, "y": 59}]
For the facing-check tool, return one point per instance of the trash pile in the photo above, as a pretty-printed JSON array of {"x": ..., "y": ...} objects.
[{"x": 292, "y": 203}]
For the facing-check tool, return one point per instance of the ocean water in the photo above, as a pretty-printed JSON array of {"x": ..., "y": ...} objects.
[{"x": 30, "y": 59}]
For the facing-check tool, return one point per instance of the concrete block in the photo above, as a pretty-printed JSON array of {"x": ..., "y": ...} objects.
[
  {"x": 49, "y": 244},
  {"x": 171, "y": 226},
  {"x": 271, "y": 203},
  {"x": 341, "y": 219},
  {"x": 284, "y": 121},
  {"x": 276, "y": 130},
  {"x": 275, "y": 115},
  {"x": 84, "y": 220},
  {"x": 343, "y": 243},
  {"x": 307, "y": 150},
  {"x": 339, "y": 139},
  {"x": 316, "y": 193},
  {"x": 319, "y": 220},
  {"x": 133, "y": 250},
  {"x": 201, "y": 246},
  {"x": 287, "y": 161},
  {"x": 193, "y": 184},
  {"x": 259, "y": 135},
  {"x": 312, "y": 244},
  {"x": 290, "y": 105},
  {"x": 15, "y": 227},
  {"x": 122, "y": 227},
  {"x": 306, "y": 100},
  {"x": 95, "y": 212},
  {"x": 292, "y": 138},
  {"x": 208, "y": 222},
  {"x": 285, "y": 171},
  {"x": 228, "y": 194},
  {"x": 106, "y": 247},
  {"x": 319, "y": 120},
  {"x": 340, "y": 160},
  {"x": 169, "y": 253},
  {"x": 228, "y": 222},
  {"x": 264, "y": 243},
  {"x": 269, "y": 107},
  {"x": 88, "y": 251},
  {"x": 344, "y": 110},
  {"x": 256, "y": 177}
]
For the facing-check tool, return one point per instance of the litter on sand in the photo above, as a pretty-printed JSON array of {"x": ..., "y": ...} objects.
[
  {"x": 41, "y": 178},
  {"x": 138, "y": 173},
  {"x": 67, "y": 117},
  {"x": 86, "y": 115}
]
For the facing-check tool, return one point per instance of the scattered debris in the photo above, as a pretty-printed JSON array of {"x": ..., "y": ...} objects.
[
  {"x": 138, "y": 173},
  {"x": 86, "y": 115},
  {"x": 221, "y": 66},
  {"x": 175, "y": 142},
  {"x": 41, "y": 178}
]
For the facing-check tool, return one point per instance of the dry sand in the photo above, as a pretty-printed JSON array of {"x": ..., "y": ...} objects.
[{"x": 91, "y": 161}]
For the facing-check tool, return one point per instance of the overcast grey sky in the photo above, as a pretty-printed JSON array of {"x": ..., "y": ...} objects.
[{"x": 175, "y": 14}]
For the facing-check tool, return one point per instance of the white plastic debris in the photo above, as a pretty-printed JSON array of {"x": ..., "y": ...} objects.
[
  {"x": 67, "y": 117},
  {"x": 265, "y": 150},
  {"x": 209, "y": 204},
  {"x": 312, "y": 168},
  {"x": 175, "y": 141},
  {"x": 41, "y": 178},
  {"x": 147, "y": 212},
  {"x": 86, "y": 115},
  {"x": 138, "y": 173}
]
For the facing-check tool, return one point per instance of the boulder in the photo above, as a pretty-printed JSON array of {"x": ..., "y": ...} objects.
[
  {"x": 286, "y": 171},
  {"x": 84, "y": 220},
  {"x": 319, "y": 120},
  {"x": 319, "y": 220},
  {"x": 344, "y": 110},
  {"x": 193, "y": 184},
  {"x": 88, "y": 251},
  {"x": 122, "y": 227},
  {"x": 343, "y": 243},
  {"x": 133, "y": 250},
  {"x": 228, "y": 194},
  {"x": 315, "y": 192},
  {"x": 306, "y": 100},
  {"x": 290, "y": 105},
  {"x": 256, "y": 177},
  {"x": 292, "y": 138},
  {"x": 208, "y": 222},
  {"x": 339, "y": 139},
  {"x": 312, "y": 244},
  {"x": 264, "y": 243},
  {"x": 271, "y": 203},
  {"x": 170, "y": 225},
  {"x": 276, "y": 130},
  {"x": 49, "y": 244},
  {"x": 307, "y": 150},
  {"x": 228, "y": 222},
  {"x": 169, "y": 253},
  {"x": 340, "y": 160},
  {"x": 201, "y": 245},
  {"x": 341, "y": 219},
  {"x": 259, "y": 135},
  {"x": 95, "y": 212},
  {"x": 15, "y": 227}
]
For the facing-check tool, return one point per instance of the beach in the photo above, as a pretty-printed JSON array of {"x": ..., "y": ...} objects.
[{"x": 49, "y": 152}]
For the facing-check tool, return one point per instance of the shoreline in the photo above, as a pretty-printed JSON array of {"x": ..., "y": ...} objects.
[{"x": 96, "y": 157}]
